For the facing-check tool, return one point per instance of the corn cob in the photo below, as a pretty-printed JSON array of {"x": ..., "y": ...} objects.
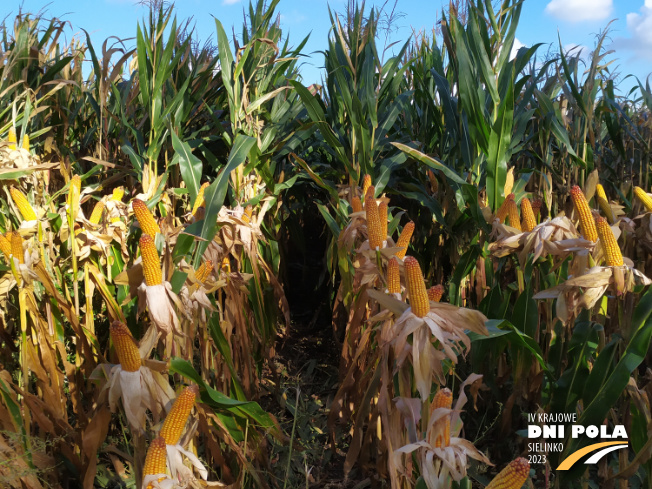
[
  {"x": 11, "y": 138},
  {"x": 156, "y": 459},
  {"x": 5, "y": 246},
  {"x": 536, "y": 208},
  {"x": 601, "y": 197},
  {"x": 374, "y": 228},
  {"x": 226, "y": 265},
  {"x": 416, "y": 287},
  {"x": 17, "y": 247},
  {"x": 176, "y": 419},
  {"x": 366, "y": 183},
  {"x": 145, "y": 218},
  {"x": 98, "y": 210},
  {"x": 151, "y": 261},
  {"x": 204, "y": 270},
  {"x": 645, "y": 199},
  {"x": 529, "y": 221},
  {"x": 443, "y": 399},
  {"x": 125, "y": 347},
  {"x": 393, "y": 277},
  {"x": 356, "y": 204},
  {"x": 23, "y": 204},
  {"x": 435, "y": 293},
  {"x": 118, "y": 193},
  {"x": 26, "y": 142},
  {"x": 512, "y": 212},
  {"x": 587, "y": 223},
  {"x": 382, "y": 215},
  {"x": 404, "y": 239},
  {"x": 503, "y": 210},
  {"x": 246, "y": 215},
  {"x": 200, "y": 201},
  {"x": 613, "y": 255},
  {"x": 511, "y": 477}
]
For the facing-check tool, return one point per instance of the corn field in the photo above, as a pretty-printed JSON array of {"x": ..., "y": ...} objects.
[{"x": 214, "y": 275}]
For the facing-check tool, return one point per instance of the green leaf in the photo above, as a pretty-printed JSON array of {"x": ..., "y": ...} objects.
[{"x": 189, "y": 165}]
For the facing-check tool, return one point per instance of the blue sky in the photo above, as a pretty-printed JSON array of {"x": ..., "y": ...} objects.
[{"x": 576, "y": 21}]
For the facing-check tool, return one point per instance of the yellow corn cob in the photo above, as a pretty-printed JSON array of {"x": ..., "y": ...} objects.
[
  {"x": 404, "y": 239},
  {"x": 393, "y": 277},
  {"x": 601, "y": 197},
  {"x": 512, "y": 212},
  {"x": 529, "y": 221},
  {"x": 176, "y": 419},
  {"x": 26, "y": 142},
  {"x": 151, "y": 261},
  {"x": 118, "y": 193},
  {"x": 145, "y": 218},
  {"x": 645, "y": 199},
  {"x": 511, "y": 477},
  {"x": 503, "y": 210},
  {"x": 248, "y": 212},
  {"x": 98, "y": 210},
  {"x": 204, "y": 270},
  {"x": 356, "y": 204},
  {"x": 416, "y": 287},
  {"x": 5, "y": 246},
  {"x": 125, "y": 347},
  {"x": 11, "y": 138},
  {"x": 536, "y": 208},
  {"x": 613, "y": 255},
  {"x": 382, "y": 215},
  {"x": 226, "y": 265},
  {"x": 434, "y": 185},
  {"x": 156, "y": 459},
  {"x": 587, "y": 223},
  {"x": 17, "y": 247},
  {"x": 366, "y": 183},
  {"x": 435, "y": 293},
  {"x": 23, "y": 205},
  {"x": 374, "y": 228},
  {"x": 199, "y": 201},
  {"x": 443, "y": 399}
]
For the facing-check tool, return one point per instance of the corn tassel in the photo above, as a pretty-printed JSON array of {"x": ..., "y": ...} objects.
[
  {"x": 5, "y": 246},
  {"x": 145, "y": 218},
  {"x": 645, "y": 199},
  {"x": 176, "y": 419},
  {"x": 511, "y": 477},
  {"x": 156, "y": 459},
  {"x": 404, "y": 239},
  {"x": 200, "y": 201},
  {"x": 356, "y": 204},
  {"x": 613, "y": 255},
  {"x": 151, "y": 261},
  {"x": 512, "y": 212},
  {"x": 125, "y": 347},
  {"x": 26, "y": 142},
  {"x": 601, "y": 197},
  {"x": 23, "y": 204},
  {"x": 98, "y": 210},
  {"x": 17, "y": 247},
  {"x": 443, "y": 399},
  {"x": 204, "y": 271},
  {"x": 435, "y": 293},
  {"x": 374, "y": 228},
  {"x": 246, "y": 215},
  {"x": 11, "y": 138},
  {"x": 529, "y": 222},
  {"x": 587, "y": 223},
  {"x": 366, "y": 183},
  {"x": 382, "y": 215},
  {"x": 503, "y": 210},
  {"x": 416, "y": 287},
  {"x": 393, "y": 277},
  {"x": 118, "y": 193}
]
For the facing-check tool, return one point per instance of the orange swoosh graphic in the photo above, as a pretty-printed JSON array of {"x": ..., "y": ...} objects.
[{"x": 575, "y": 456}]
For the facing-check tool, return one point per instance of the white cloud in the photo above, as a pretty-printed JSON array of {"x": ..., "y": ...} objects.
[
  {"x": 639, "y": 27},
  {"x": 515, "y": 47},
  {"x": 230, "y": 2},
  {"x": 580, "y": 10}
]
